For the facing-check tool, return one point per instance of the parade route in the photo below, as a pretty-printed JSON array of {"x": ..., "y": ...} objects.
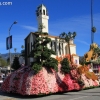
[{"x": 91, "y": 94}]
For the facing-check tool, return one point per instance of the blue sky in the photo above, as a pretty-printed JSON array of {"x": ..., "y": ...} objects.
[{"x": 65, "y": 16}]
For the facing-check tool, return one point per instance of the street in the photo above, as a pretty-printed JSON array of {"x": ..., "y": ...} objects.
[{"x": 91, "y": 94}]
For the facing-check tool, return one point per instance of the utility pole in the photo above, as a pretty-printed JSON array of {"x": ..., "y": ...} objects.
[
  {"x": 92, "y": 34},
  {"x": 10, "y": 44}
]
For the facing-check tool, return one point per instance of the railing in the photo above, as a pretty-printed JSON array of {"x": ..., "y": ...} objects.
[{"x": 96, "y": 69}]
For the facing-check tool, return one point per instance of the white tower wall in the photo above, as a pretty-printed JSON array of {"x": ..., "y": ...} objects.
[{"x": 42, "y": 18}]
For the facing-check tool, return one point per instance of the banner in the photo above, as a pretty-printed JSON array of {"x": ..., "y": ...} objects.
[{"x": 9, "y": 42}]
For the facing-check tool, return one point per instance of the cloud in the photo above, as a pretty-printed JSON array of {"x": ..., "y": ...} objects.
[
  {"x": 80, "y": 24},
  {"x": 83, "y": 42},
  {"x": 29, "y": 27}
]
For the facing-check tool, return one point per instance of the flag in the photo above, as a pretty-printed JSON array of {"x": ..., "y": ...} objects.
[{"x": 9, "y": 42}]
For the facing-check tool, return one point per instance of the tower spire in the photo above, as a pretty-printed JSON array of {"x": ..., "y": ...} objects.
[{"x": 42, "y": 17}]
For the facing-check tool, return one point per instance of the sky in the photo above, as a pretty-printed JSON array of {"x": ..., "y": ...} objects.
[{"x": 64, "y": 16}]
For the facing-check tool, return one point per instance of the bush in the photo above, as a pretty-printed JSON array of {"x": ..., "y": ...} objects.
[
  {"x": 36, "y": 67},
  {"x": 16, "y": 65},
  {"x": 65, "y": 68},
  {"x": 51, "y": 63}
]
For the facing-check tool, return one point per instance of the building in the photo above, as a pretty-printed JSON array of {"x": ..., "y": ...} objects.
[{"x": 61, "y": 48}]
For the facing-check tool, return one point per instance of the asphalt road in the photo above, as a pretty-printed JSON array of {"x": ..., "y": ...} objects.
[{"x": 91, "y": 94}]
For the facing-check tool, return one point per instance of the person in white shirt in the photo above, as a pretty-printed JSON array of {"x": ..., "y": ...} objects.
[{"x": 1, "y": 81}]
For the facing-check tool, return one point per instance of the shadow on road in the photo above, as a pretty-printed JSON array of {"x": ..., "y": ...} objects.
[
  {"x": 72, "y": 93},
  {"x": 15, "y": 95}
]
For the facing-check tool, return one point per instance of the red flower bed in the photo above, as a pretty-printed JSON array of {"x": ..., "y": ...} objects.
[
  {"x": 25, "y": 82},
  {"x": 71, "y": 84},
  {"x": 6, "y": 84},
  {"x": 39, "y": 85}
]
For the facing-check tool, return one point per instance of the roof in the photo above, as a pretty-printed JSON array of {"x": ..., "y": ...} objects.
[
  {"x": 36, "y": 33},
  {"x": 75, "y": 55},
  {"x": 27, "y": 36},
  {"x": 72, "y": 44},
  {"x": 41, "y": 6}
]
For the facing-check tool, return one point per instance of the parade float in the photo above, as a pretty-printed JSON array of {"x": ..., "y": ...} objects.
[
  {"x": 92, "y": 58},
  {"x": 47, "y": 74},
  {"x": 49, "y": 71},
  {"x": 25, "y": 81}
]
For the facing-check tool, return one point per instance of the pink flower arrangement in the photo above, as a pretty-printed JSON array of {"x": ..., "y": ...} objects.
[{"x": 25, "y": 82}]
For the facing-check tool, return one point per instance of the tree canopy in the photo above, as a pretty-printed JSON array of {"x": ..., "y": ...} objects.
[{"x": 3, "y": 62}]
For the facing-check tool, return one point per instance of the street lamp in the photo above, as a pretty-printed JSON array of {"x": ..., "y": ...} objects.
[{"x": 15, "y": 22}]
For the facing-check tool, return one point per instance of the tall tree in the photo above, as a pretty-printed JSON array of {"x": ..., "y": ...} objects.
[
  {"x": 42, "y": 54},
  {"x": 23, "y": 51},
  {"x": 8, "y": 60},
  {"x": 15, "y": 49},
  {"x": 22, "y": 47},
  {"x": 16, "y": 65},
  {"x": 3, "y": 62},
  {"x": 0, "y": 55}
]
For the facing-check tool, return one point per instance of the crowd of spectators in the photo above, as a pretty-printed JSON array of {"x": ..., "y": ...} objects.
[{"x": 3, "y": 76}]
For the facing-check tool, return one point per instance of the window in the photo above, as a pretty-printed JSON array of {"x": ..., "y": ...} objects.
[
  {"x": 75, "y": 61},
  {"x": 62, "y": 49},
  {"x": 31, "y": 46},
  {"x": 28, "y": 48},
  {"x": 43, "y": 12},
  {"x": 51, "y": 44},
  {"x": 40, "y": 12},
  {"x": 55, "y": 46},
  {"x": 59, "y": 49}
]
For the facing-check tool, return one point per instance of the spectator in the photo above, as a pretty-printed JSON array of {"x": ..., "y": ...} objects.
[
  {"x": 1, "y": 81},
  {"x": 2, "y": 75},
  {"x": 22, "y": 65}
]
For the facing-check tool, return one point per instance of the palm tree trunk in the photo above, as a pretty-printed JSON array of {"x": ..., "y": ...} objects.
[{"x": 69, "y": 50}]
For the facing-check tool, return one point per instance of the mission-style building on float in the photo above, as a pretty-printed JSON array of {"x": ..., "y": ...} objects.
[{"x": 61, "y": 48}]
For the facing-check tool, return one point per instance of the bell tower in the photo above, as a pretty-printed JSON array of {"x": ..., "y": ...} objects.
[{"x": 42, "y": 17}]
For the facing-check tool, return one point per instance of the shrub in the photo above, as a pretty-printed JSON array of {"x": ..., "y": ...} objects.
[
  {"x": 16, "y": 65},
  {"x": 65, "y": 68},
  {"x": 36, "y": 67},
  {"x": 42, "y": 54}
]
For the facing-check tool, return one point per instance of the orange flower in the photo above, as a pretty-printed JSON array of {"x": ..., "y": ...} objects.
[{"x": 58, "y": 58}]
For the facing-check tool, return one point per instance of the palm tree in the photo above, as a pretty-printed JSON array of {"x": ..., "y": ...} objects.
[
  {"x": 41, "y": 26},
  {"x": 67, "y": 38},
  {"x": 22, "y": 47},
  {"x": 15, "y": 49},
  {"x": 22, "y": 51}
]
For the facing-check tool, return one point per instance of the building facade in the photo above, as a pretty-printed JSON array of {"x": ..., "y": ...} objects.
[{"x": 60, "y": 47}]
